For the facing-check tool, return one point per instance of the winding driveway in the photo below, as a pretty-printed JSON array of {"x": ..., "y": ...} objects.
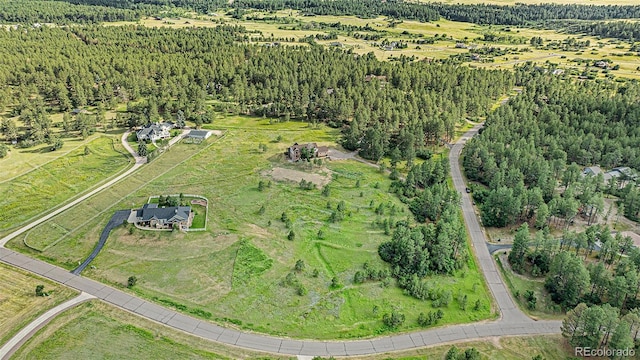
[
  {"x": 139, "y": 162},
  {"x": 512, "y": 321}
]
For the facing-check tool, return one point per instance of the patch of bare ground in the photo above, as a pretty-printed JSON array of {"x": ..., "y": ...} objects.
[{"x": 282, "y": 174}]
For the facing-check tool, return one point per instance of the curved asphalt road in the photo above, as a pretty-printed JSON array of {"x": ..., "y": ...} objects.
[
  {"x": 23, "y": 335},
  {"x": 512, "y": 321}
]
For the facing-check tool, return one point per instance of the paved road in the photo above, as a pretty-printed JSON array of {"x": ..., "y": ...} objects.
[
  {"x": 509, "y": 311},
  {"x": 116, "y": 220},
  {"x": 512, "y": 321},
  {"x": 272, "y": 344},
  {"x": 23, "y": 335}
]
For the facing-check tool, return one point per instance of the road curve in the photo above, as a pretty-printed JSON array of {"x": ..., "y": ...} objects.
[
  {"x": 139, "y": 162},
  {"x": 23, "y": 335},
  {"x": 273, "y": 344},
  {"x": 512, "y": 322}
]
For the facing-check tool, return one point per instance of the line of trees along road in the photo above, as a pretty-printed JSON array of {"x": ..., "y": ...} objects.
[{"x": 530, "y": 156}]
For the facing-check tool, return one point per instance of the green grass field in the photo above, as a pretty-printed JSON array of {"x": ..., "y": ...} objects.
[
  {"x": 59, "y": 180},
  {"x": 506, "y": 348},
  {"x": 97, "y": 330},
  {"x": 80, "y": 226},
  {"x": 18, "y": 303},
  {"x": 210, "y": 272}
]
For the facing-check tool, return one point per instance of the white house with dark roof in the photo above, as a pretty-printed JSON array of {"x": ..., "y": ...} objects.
[{"x": 154, "y": 132}]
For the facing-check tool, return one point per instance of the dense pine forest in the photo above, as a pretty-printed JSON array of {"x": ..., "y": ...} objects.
[
  {"x": 409, "y": 106},
  {"x": 545, "y": 136},
  {"x": 519, "y": 14},
  {"x": 60, "y": 12}
]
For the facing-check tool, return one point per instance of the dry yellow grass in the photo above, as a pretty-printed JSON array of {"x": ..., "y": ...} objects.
[{"x": 18, "y": 303}]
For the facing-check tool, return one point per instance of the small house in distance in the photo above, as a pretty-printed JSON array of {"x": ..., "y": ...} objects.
[
  {"x": 306, "y": 151},
  {"x": 154, "y": 132},
  {"x": 155, "y": 217}
]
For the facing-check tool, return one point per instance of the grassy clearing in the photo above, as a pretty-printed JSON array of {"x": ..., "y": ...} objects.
[
  {"x": 249, "y": 262},
  {"x": 18, "y": 303},
  {"x": 93, "y": 328},
  {"x": 20, "y": 161},
  {"x": 520, "y": 285},
  {"x": 196, "y": 270},
  {"x": 506, "y": 348},
  {"x": 59, "y": 180},
  {"x": 96, "y": 330},
  {"x": 84, "y": 222}
]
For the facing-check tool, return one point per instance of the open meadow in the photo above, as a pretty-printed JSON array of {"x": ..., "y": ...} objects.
[
  {"x": 58, "y": 180},
  {"x": 277, "y": 258},
  {"x": 94, "y": 327},
  {"x": 432, "y": 41},
  {"x": 97, "y": 329},
  {"x": 18, "y": 303}
]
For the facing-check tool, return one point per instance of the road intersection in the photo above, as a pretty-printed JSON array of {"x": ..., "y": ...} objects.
[{"x": 512, "y": 321}]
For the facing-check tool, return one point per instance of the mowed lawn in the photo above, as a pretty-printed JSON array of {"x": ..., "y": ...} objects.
[
  {"x": 19, "y": 304},
  {"x": 59, "y": 180},
  {"x": 200, "y": 273},
  {"x": 95, "y": 330}
]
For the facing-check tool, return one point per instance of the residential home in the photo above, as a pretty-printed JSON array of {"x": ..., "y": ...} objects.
[
  {"x": 296, "y": 151},
  {"x": 154, "y": 132},
  {"x": 602, "y": 64},
  {"x": 164, "y": 218},
  {"x": 591, "y": 171}
]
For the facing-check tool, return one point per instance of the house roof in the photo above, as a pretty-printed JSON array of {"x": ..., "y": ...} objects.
[
  {"x": 592, "y": 170},
  {"x": 199, "y": 134},
  {"x": 168, "y": 214},
  {"x": 153, "y": 129},
  {"x": 297, "y": 146}
]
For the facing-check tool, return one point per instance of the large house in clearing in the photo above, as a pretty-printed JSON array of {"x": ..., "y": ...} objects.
[
  {"x": 306, "y": 151},
  {"x": 154, "y": 132},
  {"x": 156, "y": 217}
]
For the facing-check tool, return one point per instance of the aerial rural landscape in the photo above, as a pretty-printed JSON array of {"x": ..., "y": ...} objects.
[{"x": 319, "y": 179}]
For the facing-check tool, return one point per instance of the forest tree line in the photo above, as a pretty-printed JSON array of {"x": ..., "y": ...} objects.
[
  {"x": 543, "y": 138},
  {"x": 161, "y": 71},
  {"x": 624, "y": 30},
  {"x": 519, "y": 14},
  {"x": 604, "y": 292},
  {"x": 59, "y": 12}
]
